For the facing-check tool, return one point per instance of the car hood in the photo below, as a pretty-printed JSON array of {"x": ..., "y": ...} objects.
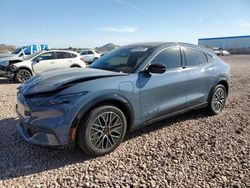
[
  {"x": 55, "y": 81},
  {"x": 6, "y": 55},
  {"x": 3, "y": 59}
]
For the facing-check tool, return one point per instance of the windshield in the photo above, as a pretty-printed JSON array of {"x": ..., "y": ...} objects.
[
  {"x": 31, "y": 56},
  {"x": 17, "y": 51},
  {"x": 125, "y": 59}
]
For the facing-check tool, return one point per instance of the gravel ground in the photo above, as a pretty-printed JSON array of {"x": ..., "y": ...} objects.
[{"x": 190, "y": 150}]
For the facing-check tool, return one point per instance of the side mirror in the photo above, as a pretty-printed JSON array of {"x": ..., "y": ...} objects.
[
  {"x": 157, "y": 68},
  {"x": 37, "y": 60}
]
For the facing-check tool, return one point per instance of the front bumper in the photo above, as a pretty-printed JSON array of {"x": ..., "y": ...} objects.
[
  {"x": 5, "y": 72},
  {"x": 44, "y": 125},
  {"x": 37, "y": 138}
]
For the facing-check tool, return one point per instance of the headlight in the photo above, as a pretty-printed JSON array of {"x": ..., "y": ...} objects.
[{"x": 58, "y": 99}]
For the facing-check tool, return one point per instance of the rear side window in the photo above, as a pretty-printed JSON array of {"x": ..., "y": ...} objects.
[
  {"x": 210, "y": 58},
  {"x": 63, "y": 55},
  {"x": 90, "y": 52},
  {"x": 84, "y": 52},
  {"x": 194, "y": 57},
  {"x": 171, "y": 57},
  {"x": 73, "y": 55}
]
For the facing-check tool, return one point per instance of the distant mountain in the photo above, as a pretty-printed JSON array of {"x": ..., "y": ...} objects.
[
  {"x": 106, "y": 48},
  {"x": 6, "y": 48}
]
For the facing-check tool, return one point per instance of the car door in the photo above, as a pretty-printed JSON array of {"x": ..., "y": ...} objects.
[
  {"x": 200, "y": 76},
  {"x": 85, "y": 55},
  {"x": 165, "y": 93},
  {"x": 88, "y": 55},
  {"x": 91, "y": 55},
  {"x": 63, "y": 60},
  {"x": 43, "y": 62}
]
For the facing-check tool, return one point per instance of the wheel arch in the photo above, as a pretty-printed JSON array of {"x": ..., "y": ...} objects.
[
  {"x": 225, "y": 84},
  {"x": 23, "y": 67},
  {"x": 109, "y": 99},
  {"x": 75, "y": 66},
  {"x": 221, "y": 80}
]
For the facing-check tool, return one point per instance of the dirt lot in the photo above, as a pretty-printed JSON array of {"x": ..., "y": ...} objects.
[{"x": 191, "y": 150}]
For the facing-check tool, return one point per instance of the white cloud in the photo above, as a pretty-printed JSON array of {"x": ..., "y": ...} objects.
[{"x": 118, "y": 29}]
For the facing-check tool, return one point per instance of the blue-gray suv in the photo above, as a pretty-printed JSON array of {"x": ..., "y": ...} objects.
[{"x": 131, "y": 86}]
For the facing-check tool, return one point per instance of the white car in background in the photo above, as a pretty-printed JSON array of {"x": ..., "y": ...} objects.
[
  {"x": 90, "y": 56},
  {"x": 225, "y": 52},
  {"x": 44, "y": 61},
  {"x": 7, "y": 59}
]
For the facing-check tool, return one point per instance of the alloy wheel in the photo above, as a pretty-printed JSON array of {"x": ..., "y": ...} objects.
[
  {"x": 23, "y": 75},
  {"x": 218, "y": 100},
  {"x": 106, "y": 131}
]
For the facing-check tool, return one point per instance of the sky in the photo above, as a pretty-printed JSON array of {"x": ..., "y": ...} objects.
[{"x": 91, "y": 23}]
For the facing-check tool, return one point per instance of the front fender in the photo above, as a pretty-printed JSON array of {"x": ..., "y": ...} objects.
[{"x": 111, "y": 98}]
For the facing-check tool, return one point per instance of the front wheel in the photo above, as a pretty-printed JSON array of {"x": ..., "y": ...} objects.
[
  {"x": 102, "y": 131},
  {"x": 217, "y": 100},
  {"x": 22, "y": 75}
]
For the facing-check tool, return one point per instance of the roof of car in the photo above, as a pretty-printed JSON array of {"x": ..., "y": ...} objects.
[
  {"x": 158, "y": 44},
  {"x": 55, "y": 50},
  {"x": 151, "y": 44},
  {"x": 163, "y": 44}
]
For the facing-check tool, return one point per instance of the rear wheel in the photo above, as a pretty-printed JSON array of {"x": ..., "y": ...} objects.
[
  {"x": 102, "y": 131},
  {"x": 22, "y": 75},
  {"x": 217, "y": 100},
  {"x": 95, "y": 59}
]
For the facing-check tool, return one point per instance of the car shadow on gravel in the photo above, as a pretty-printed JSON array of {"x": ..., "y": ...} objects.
[
  {"x": 194, "y": 114},
  {"x": 19, "y": 158},
  {"x": 7, "y": 81}
]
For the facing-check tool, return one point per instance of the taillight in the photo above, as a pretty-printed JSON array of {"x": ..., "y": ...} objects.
[{"x": 81, "y": 58}]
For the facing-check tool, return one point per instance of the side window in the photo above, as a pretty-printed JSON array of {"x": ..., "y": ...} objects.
[
  {"x": 73, "y": 55},
  {"x": 45, "y": 56},
  {"x": 21, "y": 54},
  {"x": 170, "y": 57},
  {"x": 63, "y": 55},
  {"x": 209, "y": 58},
  {"x": 84, "y": 52},
  {"x": 90, "y": 52},
  {"x": 27, "y": 51},
  {"x": 194, "y": 57}
]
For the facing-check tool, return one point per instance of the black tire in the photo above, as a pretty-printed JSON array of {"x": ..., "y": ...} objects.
[
  {"x": 75, "y": 66},
  {"x": 217, "y": 100},
  {"x": 22, "y": 75},
  {"x": 95, "y": 59},
  {"x": 102, "y": 130}
]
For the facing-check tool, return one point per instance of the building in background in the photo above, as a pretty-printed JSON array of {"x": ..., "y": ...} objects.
[{"x": 236, "y": 44}]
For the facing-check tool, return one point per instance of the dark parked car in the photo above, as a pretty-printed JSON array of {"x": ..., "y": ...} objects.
[{"x": 131, "y": 86}]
